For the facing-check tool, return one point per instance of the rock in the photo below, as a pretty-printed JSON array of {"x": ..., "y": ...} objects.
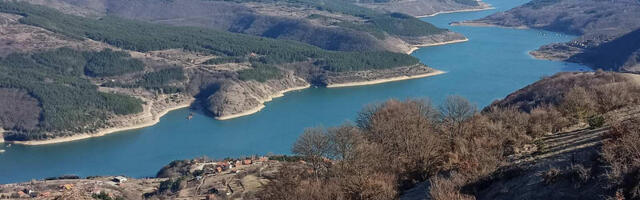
[{"x": 237, "y": 97}]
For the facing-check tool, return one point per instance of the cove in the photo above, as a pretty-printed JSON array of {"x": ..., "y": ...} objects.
[{"x": 493, "y": 63}]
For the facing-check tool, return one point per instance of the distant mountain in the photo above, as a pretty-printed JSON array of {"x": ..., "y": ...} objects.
[
  {"x": 422, "y": 7},
  {"x": 329, "y": 24},
  {"x": 607, "y": 29}
]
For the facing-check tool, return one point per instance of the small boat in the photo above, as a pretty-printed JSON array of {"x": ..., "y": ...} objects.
[
  {"x": 190, "y": 116},
  {"x": 1, "y": 150}
]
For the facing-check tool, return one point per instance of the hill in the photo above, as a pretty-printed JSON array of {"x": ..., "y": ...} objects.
[
  {"x": 93, "y": 76},
  {"x": 605, "y": 27},
  {"x": 328, "y": 24}
]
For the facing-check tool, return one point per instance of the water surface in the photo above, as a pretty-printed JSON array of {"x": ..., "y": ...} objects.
[{"x": 491, "y": 65}]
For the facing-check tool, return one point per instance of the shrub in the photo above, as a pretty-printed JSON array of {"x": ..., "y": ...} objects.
[
  {"x": 551, "y": 176},
  {"x": 443, "y": 188},
  {"x": 579, "y": 174},
  {"x": 596, "y": 121}
]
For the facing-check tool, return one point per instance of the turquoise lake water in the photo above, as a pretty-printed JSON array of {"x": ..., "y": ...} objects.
[{"x": 491, "y": 65}]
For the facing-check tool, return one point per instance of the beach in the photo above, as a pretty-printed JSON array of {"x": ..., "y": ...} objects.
[
  {"x": 416, "y": 47},
  {"x": 386, "y": 80},
  {"x": 456, "y": 11}
]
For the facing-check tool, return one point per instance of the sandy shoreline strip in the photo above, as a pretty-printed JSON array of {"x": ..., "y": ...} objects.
[
  {"x": 157, "y": 117},
  {"x": 106, "y": 131},
  {"x": 456, "y": 11},
  {"x": 416, "y": 47},
  {"x": 386, "y": 80},
  {"x": 262, "y": 106},
  {"x": 482, "y": 24}
]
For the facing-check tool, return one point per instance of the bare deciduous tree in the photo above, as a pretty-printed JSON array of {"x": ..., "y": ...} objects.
[
  {"x": 454, "y": 111},
  {"x": 315, "y": 145}
]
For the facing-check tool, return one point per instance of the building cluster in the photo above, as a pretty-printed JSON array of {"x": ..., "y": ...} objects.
[{"x": 230, "y": 165}]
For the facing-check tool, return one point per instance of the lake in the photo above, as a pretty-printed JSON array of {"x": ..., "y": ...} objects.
[{"x": 493, "y": 63}]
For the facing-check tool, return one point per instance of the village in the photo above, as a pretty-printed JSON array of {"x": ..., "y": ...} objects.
[{"x": 200, "y": 178}]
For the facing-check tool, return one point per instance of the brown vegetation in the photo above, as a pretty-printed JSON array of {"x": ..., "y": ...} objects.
[
  {"x": 397, "y": 144},
  {"x": 623, "y": 154}
]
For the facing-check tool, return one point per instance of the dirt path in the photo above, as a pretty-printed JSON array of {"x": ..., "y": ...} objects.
[{"x": 561, "y": 143}]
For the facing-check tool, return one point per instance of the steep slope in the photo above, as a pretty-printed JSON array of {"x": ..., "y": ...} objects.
[
  {"x": 568, "y": 165},
  {"x": 607, "y": 30},
  {"x": 620, "y": 54}
]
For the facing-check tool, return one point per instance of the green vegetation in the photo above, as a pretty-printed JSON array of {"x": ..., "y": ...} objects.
[
  {"x": 69, "y": 101},
  {"x": 468, "y": 2},
  {"x": 159, "y": 80},
  {"x": 140, "y": 36},
  {"x": 394, "y": 23},
  {"x": 260, "y": 73},
  {"x": 111, "y": 63},
  {"x": 354, "y": 61},
  {"x": 223, "y": 60},
  {"x": 404, "y": 25}
]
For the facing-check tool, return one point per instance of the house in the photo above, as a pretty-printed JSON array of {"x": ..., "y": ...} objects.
[
  {"x": 263, "y": 159},
  {"x": 119, "y": 179},
  {"x": 246, "y": 162}
]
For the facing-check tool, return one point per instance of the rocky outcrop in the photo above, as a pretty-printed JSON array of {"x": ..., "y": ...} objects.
[{"x": 237, "y": 98}]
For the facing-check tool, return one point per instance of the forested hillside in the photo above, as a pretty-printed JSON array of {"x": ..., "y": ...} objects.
[
  {"x": 137, "y": 61},
  {"x": 140, "y": 36},
  {"x": 328, "y": 24},
  {"x": 67, "y": 100}
]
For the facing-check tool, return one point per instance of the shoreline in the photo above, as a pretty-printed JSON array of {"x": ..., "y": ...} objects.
[
  {"x": 385, "y": 80},
  {"x": 1, "y": 135},
  {"x": 417, "y": 47},
  {"x": 105, "y": 131},
  {"x": 489, "y": 7},
  {"x": 482, "y": 24},
  {"x": 262, "y": 101}
]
